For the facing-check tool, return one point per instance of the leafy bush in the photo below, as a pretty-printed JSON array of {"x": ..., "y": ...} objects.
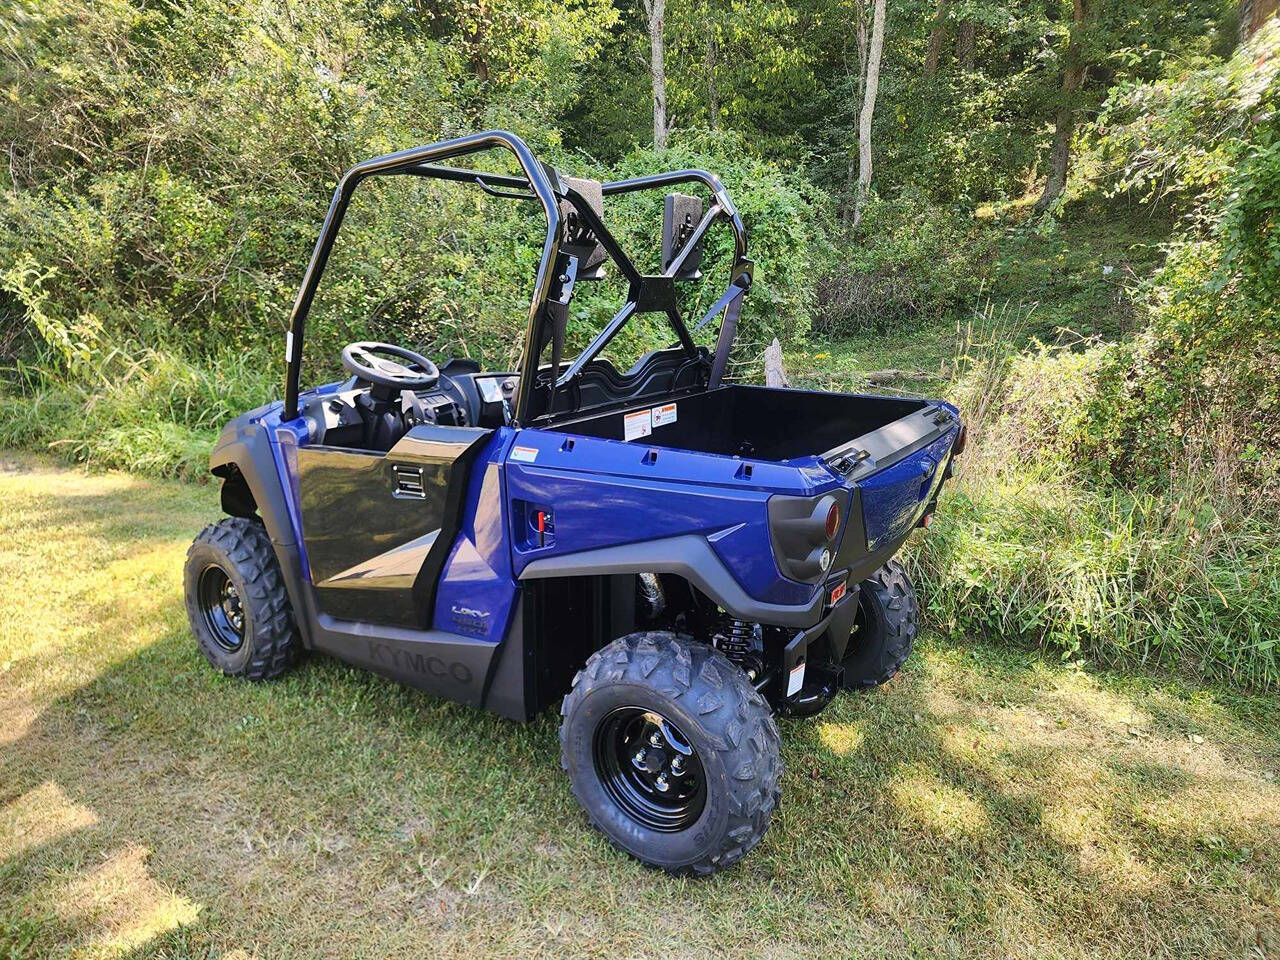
[
  {"x": 1037, "y": 543},
  {"x": 910, "y": 263},
  {"x": 1203, "y": 377},
  {"x": 172, "y": 179}
]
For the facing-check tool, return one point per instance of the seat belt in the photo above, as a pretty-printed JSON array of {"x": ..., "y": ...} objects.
[
  {"x": 733, "y": 293},
  {"x": 730, "y": 303}
]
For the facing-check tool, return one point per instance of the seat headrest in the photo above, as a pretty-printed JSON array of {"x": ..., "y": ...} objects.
[{"x": 579, "y": 240}]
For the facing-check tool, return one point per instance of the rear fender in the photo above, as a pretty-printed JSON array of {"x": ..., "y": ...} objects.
[{"x": 689, "y": 556}]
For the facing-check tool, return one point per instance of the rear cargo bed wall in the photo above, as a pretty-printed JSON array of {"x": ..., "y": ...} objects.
[{"x": 759, "y": 422}]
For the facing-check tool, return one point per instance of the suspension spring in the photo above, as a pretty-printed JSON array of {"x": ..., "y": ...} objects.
[{"x": 737, "y": 644}]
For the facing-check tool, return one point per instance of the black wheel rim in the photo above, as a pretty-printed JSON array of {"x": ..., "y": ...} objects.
[
  {"x": 864, "y": 623},
  {"x": 650, "y": 769},
  {"x": 222, "y": 608}
]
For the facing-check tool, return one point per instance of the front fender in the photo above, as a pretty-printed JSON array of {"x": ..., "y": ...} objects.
[{"x": 244, "y": 447}]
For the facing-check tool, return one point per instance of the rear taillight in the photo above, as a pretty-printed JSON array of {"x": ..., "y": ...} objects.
[{"x": 803, "y": 531}]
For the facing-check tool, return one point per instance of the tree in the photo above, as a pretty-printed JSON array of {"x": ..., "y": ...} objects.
[
  {"x": 871, "y": 89},
  {"x": 655, "y": 11},
  {"x": 966, "y": 40},
  {"x": 1064, "y": 120},
  {"x": 937, "y": 34}
]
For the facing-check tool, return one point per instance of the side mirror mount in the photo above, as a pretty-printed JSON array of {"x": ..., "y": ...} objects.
[{"x": 680, "y": 217}]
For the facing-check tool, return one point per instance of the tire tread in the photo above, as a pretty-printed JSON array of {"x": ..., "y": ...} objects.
[
  {"x": 891, "y": 589},
  {"x": 735, "y": 719},
  {"x": 244, "y": 544}
]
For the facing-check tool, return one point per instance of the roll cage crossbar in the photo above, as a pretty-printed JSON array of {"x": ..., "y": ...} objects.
[{"x": 557, "y": 270}]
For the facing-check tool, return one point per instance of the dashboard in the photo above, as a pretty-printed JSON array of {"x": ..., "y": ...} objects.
[{"x": 463, "y": 397}]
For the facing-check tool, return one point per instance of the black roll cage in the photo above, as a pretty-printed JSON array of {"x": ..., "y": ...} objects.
[{"x": 557, "y": 272}]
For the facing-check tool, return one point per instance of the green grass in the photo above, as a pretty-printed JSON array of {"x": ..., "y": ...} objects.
[
  {"x": 1062, "y": 271},
  {"x": 986, "y": 803},
  {"x": 156, "y": 413}
]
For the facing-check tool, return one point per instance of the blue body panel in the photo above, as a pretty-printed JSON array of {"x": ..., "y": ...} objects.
[
  {"x": 606, "y": 493},
  {"x": 894, "y": 498},
  {"x": 477, "y": 585}
]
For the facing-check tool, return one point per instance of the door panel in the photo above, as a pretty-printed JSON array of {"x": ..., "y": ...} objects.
[{"x": 377, "y": 527}]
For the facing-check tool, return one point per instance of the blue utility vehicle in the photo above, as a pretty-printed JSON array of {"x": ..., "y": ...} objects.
[{"x": 672, "y": 558}]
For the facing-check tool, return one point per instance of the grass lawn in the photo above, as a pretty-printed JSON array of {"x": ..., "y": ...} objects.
[{"x": 986, "y": 803}]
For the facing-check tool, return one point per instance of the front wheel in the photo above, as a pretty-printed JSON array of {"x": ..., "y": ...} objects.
[
  {"x": 236, "y": 601},
  {"x": 671, "y": 752}
]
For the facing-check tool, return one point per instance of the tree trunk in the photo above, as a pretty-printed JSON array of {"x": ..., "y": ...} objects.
[
  {"x": 479, "y": 60},
  {"x": 1064, "y": 120},
  {"x": 966, "y": 37},
  {"x": 862, "y": 51},
  {"x": 655, "y": 11},
  {"x": 713, "y": 93},
  {"x": 851, "y": 183},
  {"x": 1252, "y": 15},
  {"x": 868, "y": 110},
  {"x": 1059, "y": 158},
  {"x": 937, "y": 34}
]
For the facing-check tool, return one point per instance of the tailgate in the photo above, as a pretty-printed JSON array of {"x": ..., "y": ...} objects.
[{"x": 898, "y": 469}]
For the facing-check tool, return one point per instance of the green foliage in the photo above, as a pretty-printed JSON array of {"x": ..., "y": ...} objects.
[
  {"x": 157, "y": 413},
  {"x": 173, "y": 181},
  {"x": 1036, "y": 543},
  {"x": 1157, "y": 580},
  {"x": 911, "y": 263},
  {"x": 1202, "y": 379}
]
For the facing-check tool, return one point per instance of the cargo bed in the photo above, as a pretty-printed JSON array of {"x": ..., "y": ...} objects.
[{"x": 760, "y": 423}]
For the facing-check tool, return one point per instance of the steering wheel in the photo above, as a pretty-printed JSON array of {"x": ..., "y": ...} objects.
[{"x": 360, "y": 359}]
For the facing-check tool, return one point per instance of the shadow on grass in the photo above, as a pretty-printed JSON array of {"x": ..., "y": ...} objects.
[{"x": 983, "y": 804}]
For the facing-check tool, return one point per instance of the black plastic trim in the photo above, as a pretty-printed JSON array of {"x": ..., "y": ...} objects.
[
  {"x": 244, "y": 445},
  {"x": 446, "y": 664},
  {"x": 893, "y": 442},
  {"x": 688, "y": 556}
]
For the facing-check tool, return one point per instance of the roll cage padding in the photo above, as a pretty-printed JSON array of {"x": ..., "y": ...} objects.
[{"x": 580, "y": 241}]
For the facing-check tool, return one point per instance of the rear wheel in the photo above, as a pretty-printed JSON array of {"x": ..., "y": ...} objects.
[
  {"x": 884, "y": 630},
  {"x": 236, "y": 601},
  {"x": 671, "y": 752}
]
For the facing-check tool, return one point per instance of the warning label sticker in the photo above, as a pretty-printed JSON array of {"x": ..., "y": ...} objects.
[
  {"x": 636, "y": 425},
  {"x": 663, "y": 415},
  {"x": 795, "y": 679},
  {"x": 524, "y": 454}
]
